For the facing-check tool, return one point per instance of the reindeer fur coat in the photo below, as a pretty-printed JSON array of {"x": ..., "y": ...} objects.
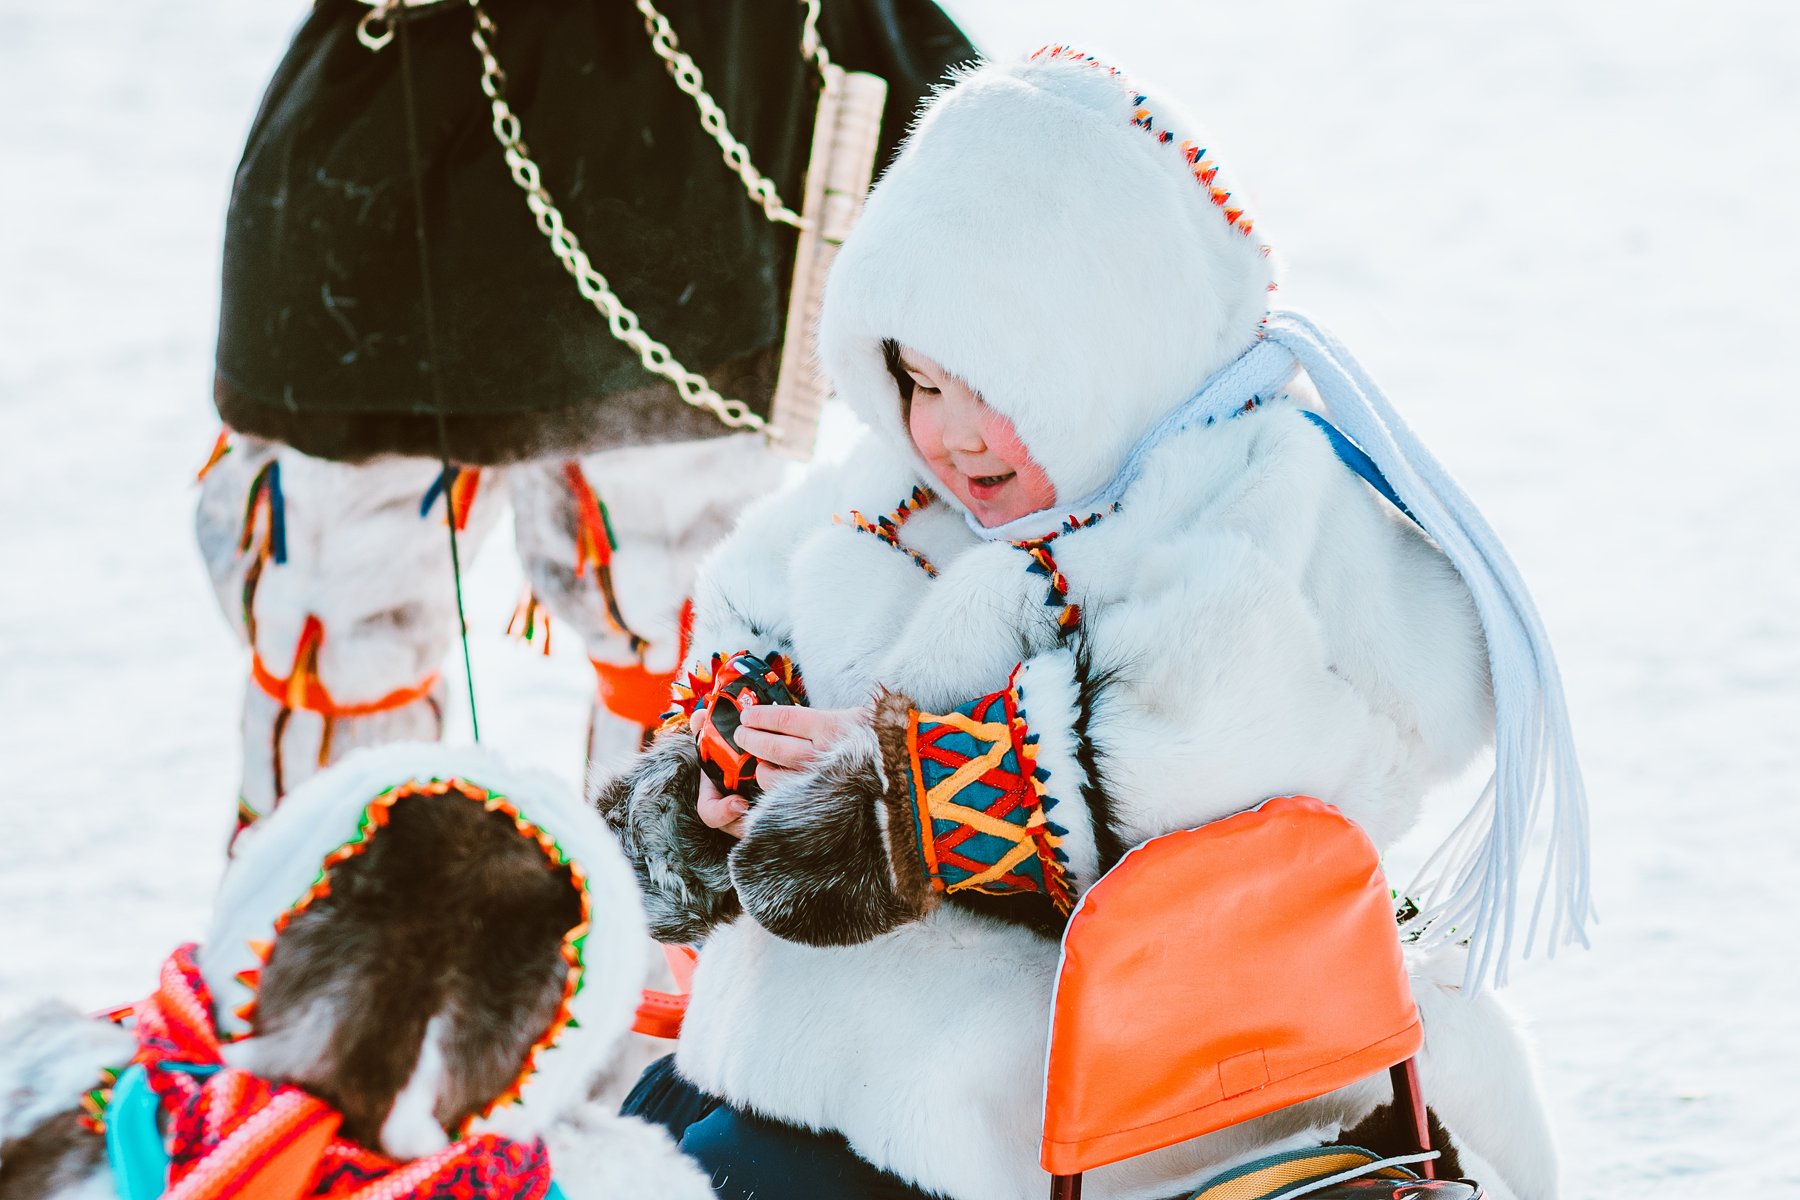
[{"x": 1254, "y": 621}]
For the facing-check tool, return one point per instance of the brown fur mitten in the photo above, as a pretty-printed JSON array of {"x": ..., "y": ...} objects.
[
  {"x": 680, "y": 860},
  {"x": 832, "y": 858}
]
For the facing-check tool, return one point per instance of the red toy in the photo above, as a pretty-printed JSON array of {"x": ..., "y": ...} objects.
[{"x": 742, "y": 681}]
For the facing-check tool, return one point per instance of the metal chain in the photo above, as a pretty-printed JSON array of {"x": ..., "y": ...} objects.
[
  {"x": 811, "y": 48},
  {"x": 623, "y": 323},
  {"x": 376, "y": 28},
  {"x": 712, "y": 118}
]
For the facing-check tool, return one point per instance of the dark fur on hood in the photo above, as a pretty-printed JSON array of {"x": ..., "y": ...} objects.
[{"x": 451, "y": 912}]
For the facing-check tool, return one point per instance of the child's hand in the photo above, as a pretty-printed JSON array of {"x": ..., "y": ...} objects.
[
  {"x": 785, "y": 737},
  {"x": 789, "y": 736},
  {"x": 719, "y": 811}
]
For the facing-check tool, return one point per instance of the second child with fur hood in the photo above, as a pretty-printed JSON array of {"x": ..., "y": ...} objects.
[{"x": 1051, "y": 606}]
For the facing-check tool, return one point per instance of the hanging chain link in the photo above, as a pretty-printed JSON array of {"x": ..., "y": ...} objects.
[
  {"x": 375, "y": 31},
  {"x": 811, "y": 48},
  {"x": 687, "y": 77},
  {"x": 624, "y": 324}
]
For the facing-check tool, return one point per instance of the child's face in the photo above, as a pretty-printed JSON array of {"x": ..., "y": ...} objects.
[{"x": 972, "y": 449}]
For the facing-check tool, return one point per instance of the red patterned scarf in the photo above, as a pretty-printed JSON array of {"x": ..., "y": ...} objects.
[{"x": 230, "y": 1133}]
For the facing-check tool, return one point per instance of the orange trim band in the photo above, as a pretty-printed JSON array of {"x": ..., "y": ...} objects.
[
  {"x": 921, "y": 810},
  {"x": 633, "y": 691},
  {"x": 307, "y": 694}
]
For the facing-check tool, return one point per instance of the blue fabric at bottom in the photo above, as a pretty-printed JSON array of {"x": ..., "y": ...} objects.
[{"x": 752, "y": 1158}]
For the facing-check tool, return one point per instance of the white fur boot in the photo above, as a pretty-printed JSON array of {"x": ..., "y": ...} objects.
[
  {"x": 610, "y": 543},
  {"x": 1477, "y": 1073},
  {"x": 338, "y": 578}
]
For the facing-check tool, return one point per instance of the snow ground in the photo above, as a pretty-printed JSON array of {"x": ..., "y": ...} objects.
[{"x": 1562, "y": 235}]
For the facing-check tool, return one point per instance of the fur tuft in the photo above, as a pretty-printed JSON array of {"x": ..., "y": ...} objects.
[
  {"x": 602, "y": 1156},
  {"x": 815, "y": 867},
  {"x": 680, "y": 862}
]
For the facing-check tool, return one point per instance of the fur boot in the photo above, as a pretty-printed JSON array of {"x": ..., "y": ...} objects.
[
  {"x": 659, "y": 508},
  {"x": 338, "y": 578}
]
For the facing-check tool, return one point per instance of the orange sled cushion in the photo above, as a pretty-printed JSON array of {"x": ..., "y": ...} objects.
[{"x": 1218, "y": 974}]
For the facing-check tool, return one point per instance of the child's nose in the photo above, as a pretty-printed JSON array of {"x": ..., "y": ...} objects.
[{"x": 965, "y": 436}]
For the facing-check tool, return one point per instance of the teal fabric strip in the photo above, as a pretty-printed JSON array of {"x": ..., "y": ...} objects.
[{"x": 134, "y": 1144}]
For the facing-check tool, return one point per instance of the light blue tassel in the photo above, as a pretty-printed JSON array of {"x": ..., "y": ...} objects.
[
  {"x": 1469, "y": 888},
  {"x": 1472, "y": 890}
]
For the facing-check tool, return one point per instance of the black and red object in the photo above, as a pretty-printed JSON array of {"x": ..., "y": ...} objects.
[{"x": 742, "y": 681}]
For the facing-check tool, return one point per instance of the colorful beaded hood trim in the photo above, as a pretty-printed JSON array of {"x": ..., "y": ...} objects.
[
  {"x": 1205, "y": 169},
  {"x": 1068, "y": 616},
  {"x": 887, "y": 529},
  {"x": 376, "y": 815}
]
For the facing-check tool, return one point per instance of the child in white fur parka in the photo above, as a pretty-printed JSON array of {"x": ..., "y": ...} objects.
[{"x": 1052, "y": 605}]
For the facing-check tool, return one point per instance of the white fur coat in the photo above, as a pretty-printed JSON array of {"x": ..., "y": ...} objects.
[
  {"x": 1257, "y": 622},
  {"x": 1257, "y": 625}
]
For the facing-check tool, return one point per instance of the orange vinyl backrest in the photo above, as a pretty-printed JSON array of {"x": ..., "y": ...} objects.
[{"x": 1218, "y": 974}]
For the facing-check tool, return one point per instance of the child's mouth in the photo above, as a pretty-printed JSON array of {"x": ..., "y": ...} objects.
[{"x": 983, "y": 487}]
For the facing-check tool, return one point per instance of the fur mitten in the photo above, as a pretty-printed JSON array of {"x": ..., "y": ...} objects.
[
  {"x": 832, "y": 858},
  {"x": 680, "y": 861},
  {"x": 910, "y": 807}
]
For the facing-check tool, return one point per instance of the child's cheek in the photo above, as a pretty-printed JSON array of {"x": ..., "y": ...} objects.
[
  {"x": 1003, "y": 442},
  {"x": 926, "y": 436}
]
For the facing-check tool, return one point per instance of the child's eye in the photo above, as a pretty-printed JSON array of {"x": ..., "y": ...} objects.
[{"x": 920, "y": 387}]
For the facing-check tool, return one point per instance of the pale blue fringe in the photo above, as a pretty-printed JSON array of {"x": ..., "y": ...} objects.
[{"x": 1469, "y": 888}]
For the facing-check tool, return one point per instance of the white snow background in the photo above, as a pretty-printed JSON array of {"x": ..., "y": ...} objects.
[{"x": 1561, "y": 234}]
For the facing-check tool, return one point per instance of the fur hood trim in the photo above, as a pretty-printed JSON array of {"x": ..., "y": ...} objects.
[
  {"x": 1065, "y": 244},
  {"x": 283, "y": 856}
]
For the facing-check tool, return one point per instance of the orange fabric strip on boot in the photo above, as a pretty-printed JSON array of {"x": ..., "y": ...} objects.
[{"x": 303, "y": 690}]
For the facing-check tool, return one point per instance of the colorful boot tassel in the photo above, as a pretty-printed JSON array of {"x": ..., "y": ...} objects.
[
  {"x": 461, "y": 484},
  {"x": 594, "y": 546},
  {"x": 265, "y": 500},
  {"x": 530, "y": 623},
  {"x": 221, "y": 448}
]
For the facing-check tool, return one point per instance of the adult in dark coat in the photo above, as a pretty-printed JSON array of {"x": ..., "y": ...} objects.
[
  {"x": 322, "y": 336},
  {"x": 311, "y": 523}
]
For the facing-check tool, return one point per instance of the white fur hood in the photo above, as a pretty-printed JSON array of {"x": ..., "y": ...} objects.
[{"x": 1049, "y": 202}]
